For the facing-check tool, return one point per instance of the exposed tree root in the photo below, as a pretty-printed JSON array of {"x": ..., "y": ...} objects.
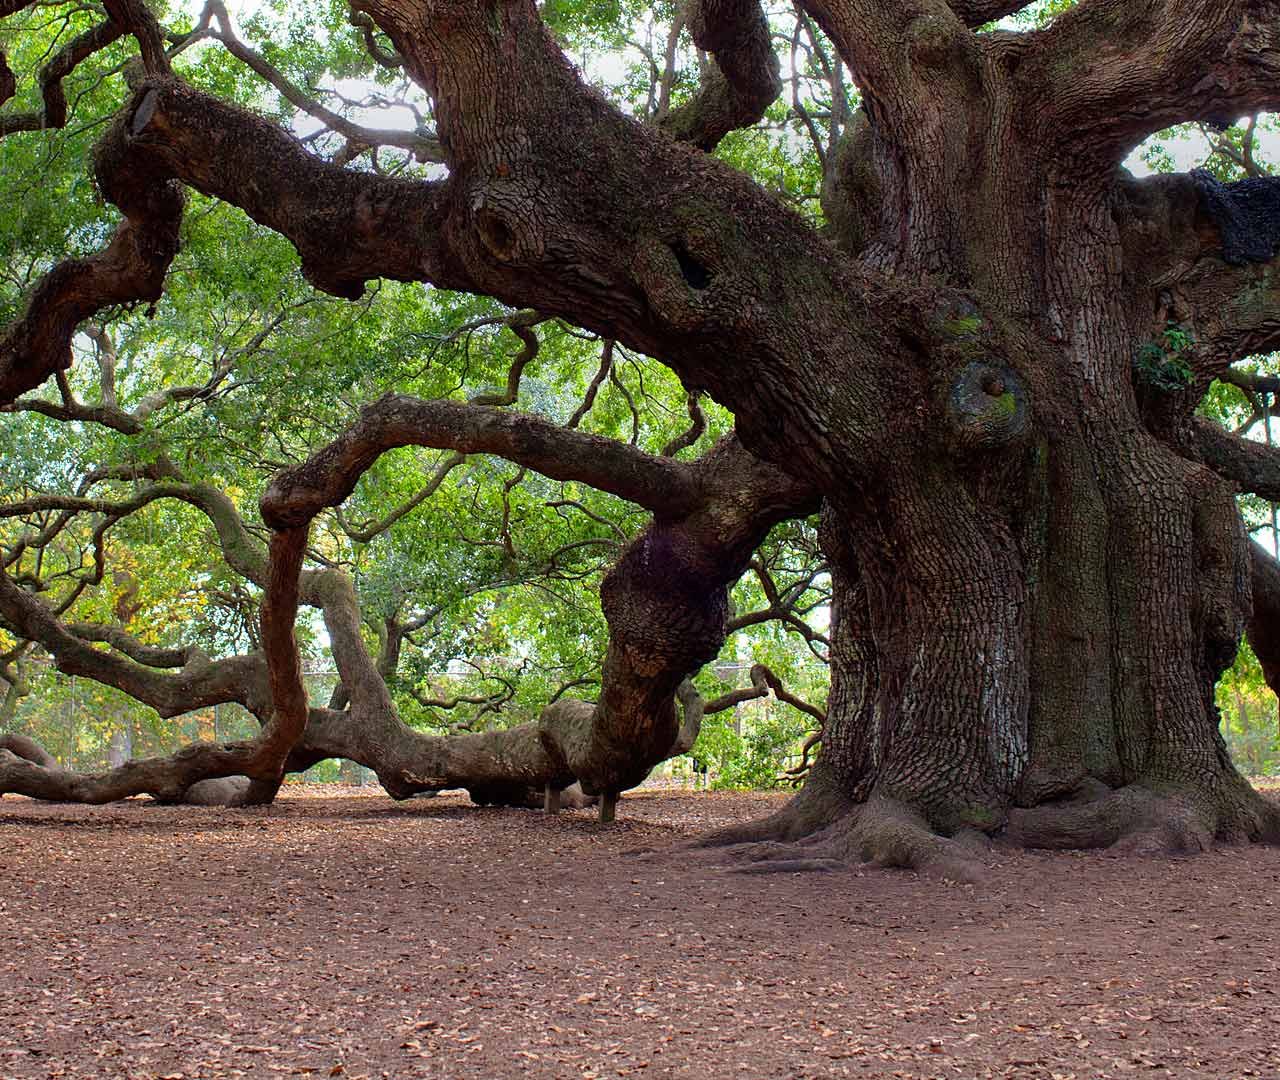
[
  {"x": 816, "y": 805},
  {"x": 881, "y": 833},
  {"x": 1139, "y": 820}
]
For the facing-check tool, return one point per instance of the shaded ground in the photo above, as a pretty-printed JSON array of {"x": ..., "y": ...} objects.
[{"x": 353, "y": 936}]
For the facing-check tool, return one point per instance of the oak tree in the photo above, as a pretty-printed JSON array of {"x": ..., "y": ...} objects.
[{"x": 980, "y": 361}]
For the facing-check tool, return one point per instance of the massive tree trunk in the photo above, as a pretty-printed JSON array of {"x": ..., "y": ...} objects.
[{"x": 1039, "y": 568}]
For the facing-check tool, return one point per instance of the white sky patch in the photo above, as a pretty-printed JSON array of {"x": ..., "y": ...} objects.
[
  {"x": 388, "y": 117},
  {"x": 1190, "y": 149}
]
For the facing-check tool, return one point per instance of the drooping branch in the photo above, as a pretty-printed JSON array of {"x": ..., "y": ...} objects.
[
  {"x": 151, "y": 655},
  {"x": 783, "y": 607},
  {"x": 666, "y": 602},
  {"x": 347, "y": 226},
  {"x": 744, "y": 81},
  {"x": 200, "y": 682},
  {"x": 697, "y": 425},
  {"x": 29, "y": 750},
  {"x": 521, "y": 324},
  {"x": 124, "y": 17},
  {"x": 272, "y": 689},
  {"x": 763, "y": 680},
  {"x": 129, "y": 270}
]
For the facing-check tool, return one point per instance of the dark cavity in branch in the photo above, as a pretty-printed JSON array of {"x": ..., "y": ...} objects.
[
  {"x": 1246, "y": 213},
  {"x": 695, "y": 274}
]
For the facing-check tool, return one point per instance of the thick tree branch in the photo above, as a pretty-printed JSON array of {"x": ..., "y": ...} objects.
[
  {"x": 1249, "y": 466},
  {"x": 904, "y": 51},
  {"x": 124, "y": 642},
  {"x": 200, "y": 682},
  {"x": 1111, "y": 72},
  {"x": 331, "y": 474},
  {"x": 1202, "y": 254},
  {"x": 347, "y": 226},
  {"x": 745, "y": 80}
]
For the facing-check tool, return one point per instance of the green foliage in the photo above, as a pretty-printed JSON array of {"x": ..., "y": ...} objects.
[
  {"x": 503, "y": 567},
  {"x": 1249, "y": 716},
  {"x": 753, "y": 757},
  {"x": 1161, "y": 364}
]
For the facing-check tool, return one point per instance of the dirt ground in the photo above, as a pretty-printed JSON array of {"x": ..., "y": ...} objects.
[{"x": 348, "y": 935}]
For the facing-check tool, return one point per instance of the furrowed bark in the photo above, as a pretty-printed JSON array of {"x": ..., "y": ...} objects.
[{"x": 1115, "y": 72}]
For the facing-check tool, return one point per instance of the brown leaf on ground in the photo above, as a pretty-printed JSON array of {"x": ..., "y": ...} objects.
[{"x": 348, "y": 935}]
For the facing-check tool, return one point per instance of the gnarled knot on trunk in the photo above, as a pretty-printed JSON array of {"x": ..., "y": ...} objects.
[
  {"x": 986, "y": 407},
  {"x": 507, "y": 221},
  {"x": 681, "y": 280}
]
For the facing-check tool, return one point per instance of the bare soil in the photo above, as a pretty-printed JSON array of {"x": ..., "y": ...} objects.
[{"x": 348, "y": 935}]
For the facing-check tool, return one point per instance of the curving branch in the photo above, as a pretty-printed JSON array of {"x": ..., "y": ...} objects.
[
  {"x": 270, "y": 684},
  {"x": 1112, "y": 72},
  {"x": 53, "y": 113},
  {"x": 746, "y": 77},
  {"x": 131, "y": 269},
  {"x": 370, "y": 531},
  {"x": 198, "y": 683},
  {"x": 521, "y": 324},
  {"x": 423, "y": 144},
  {"x": 347, "y": 226},
  {"x": 331, "y": 474},
  {"x": 697, "y": 425},
  {"x": 763, "y": 680}
]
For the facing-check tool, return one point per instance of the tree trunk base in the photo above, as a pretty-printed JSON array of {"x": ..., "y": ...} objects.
[
  {"x": 819, "y": 832},
  {"x": 880, "y": 833},
  {"x": 1138, "y": 820}
]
